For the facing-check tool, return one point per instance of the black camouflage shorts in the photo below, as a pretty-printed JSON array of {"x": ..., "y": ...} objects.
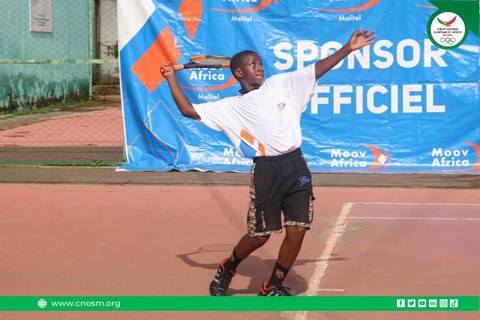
[{"x": 280, "y": 184}]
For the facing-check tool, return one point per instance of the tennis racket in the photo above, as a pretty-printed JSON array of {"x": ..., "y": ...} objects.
[{"x": 204, "y": 61}]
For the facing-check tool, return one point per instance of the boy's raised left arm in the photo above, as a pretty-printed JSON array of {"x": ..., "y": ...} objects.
[{"x": 359, "y": 39}]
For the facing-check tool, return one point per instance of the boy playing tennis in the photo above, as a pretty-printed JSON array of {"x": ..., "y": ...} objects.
[{"x": 268, "y": 111}]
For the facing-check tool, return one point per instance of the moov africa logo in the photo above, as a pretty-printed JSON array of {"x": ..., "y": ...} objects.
[
  {"x": 165, "y": 48},
  {"x": 244, "y": 6},
  {"x": 345, "y": 6},
  {"x": 460, "y": 157},
  {"x": 370, "y": 157},
  {"x": 447, "y": 30}
]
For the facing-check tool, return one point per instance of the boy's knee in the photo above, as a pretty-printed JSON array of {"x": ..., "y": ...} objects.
[
  {"x": 295, "y": 233},
  {"x": 260, "y": 241}
]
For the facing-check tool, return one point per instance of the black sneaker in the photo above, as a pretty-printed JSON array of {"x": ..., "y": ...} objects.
[
  {"x": 274, "y": 291},
  {"x": 219, "y": 284}
]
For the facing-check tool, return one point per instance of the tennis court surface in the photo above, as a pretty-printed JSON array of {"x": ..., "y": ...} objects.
[{"x": 92, "y": 238}]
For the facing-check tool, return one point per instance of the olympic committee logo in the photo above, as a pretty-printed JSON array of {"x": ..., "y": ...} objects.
[{"x": 446, "y": 30}]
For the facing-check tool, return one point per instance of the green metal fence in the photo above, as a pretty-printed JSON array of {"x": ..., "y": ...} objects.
[{"x": 59, "y": 80}]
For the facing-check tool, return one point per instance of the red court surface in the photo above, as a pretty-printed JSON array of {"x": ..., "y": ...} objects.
[
  {"x": 156, "y": 240},
  {"x": 72, "y": 128}
]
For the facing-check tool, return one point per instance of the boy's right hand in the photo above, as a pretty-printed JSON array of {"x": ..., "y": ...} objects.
[{"x": 167, "y": 70}]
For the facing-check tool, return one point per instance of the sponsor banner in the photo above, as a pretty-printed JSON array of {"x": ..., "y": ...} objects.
[{"x": 408, "y": 103}]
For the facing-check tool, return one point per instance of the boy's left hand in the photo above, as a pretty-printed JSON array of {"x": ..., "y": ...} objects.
[{"x": 361, "y": 38}]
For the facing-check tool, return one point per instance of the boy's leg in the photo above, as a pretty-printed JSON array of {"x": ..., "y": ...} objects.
[
  {"x": 291, "y": 245},
  {"x": 227, "y": 269},
  {"x": 248, "y": 244},
  {"x": 243, "y": 249},
  {"x": 298, "y": 212}
]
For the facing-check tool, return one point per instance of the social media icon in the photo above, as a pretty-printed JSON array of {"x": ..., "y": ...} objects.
[
  {"x": 422, "y": 303},
  {"x": 443, "y": 303},
  {"x": 400, "y": 303},
  {"x": 453, "y": 303},
  {"x": 412, "y": 303},
  {"x": 432, "y": 303}
]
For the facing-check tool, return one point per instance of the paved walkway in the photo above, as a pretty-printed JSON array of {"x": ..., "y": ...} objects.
[{"x": 109, "y": 175}]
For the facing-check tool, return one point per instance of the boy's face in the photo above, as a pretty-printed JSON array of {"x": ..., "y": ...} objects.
[{"x": 250, "y": 72}]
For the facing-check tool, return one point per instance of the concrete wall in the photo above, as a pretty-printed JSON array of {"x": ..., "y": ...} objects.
[
  {"x": 26, "y": 85},
  {"x": 107, "y": 40}
]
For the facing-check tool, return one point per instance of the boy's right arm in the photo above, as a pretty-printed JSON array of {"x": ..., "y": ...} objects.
[{"x": 183, "y": 104}]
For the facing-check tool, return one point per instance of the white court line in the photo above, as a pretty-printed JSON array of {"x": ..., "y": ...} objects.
[
  {"x": 414, "y": 218},
  {"x": 322, "y": 261},
  {"x": 331, "y": 290},
  {"x": 417, "y": 204}
]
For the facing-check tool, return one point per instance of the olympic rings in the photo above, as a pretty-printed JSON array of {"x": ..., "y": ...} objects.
[{"x": 448, "y": 40}]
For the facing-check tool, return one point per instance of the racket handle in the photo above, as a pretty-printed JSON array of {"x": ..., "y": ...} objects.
[{"x": 178, "y": 67}]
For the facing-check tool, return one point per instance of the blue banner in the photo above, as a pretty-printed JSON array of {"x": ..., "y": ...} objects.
[{"x": 401, "y": 105}]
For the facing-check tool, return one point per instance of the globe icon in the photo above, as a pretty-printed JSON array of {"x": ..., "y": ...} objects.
[{"x": 42, "y": 303}]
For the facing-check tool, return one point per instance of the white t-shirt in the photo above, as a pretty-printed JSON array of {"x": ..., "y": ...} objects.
[{"x": 265, "y": 121}]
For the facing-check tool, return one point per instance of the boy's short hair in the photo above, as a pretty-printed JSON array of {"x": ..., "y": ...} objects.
[{"x": 237, "y": 59}]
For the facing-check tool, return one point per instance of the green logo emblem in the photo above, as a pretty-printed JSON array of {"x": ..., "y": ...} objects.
[{"x": 446, "y": 30}]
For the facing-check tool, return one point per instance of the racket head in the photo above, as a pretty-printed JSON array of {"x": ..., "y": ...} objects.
[{"x": 208, "y": 61}]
